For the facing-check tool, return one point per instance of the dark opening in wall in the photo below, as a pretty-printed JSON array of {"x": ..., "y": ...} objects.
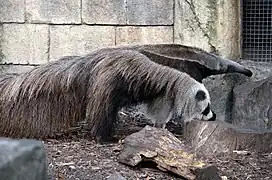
[{"x": 257, "y": 30}]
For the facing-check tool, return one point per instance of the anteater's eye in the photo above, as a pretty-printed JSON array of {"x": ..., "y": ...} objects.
[{"x": 200, "y": 95}]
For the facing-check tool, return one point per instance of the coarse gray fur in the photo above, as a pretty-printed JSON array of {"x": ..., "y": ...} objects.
[
  {"x": 196, "y": 62},
  {"x": 52, "y": 97}
]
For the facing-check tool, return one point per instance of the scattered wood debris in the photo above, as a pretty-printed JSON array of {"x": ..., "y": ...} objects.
[{"x": 169, "y": 153}]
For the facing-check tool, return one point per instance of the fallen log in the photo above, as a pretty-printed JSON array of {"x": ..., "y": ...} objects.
[
  {"x": 216, "y": 137},
  {"x": 169, "y": 153}
]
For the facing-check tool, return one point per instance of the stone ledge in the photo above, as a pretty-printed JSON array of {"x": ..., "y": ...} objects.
[
  {"x": 216, "y": 137},
  {"x": 15, "y": 68},
  {"x": 252, "y": 104},
  {"x": 22, "y": 159}
]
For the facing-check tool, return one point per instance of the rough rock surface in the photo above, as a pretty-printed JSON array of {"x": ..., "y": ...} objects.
[
  {"x": 221, "y": 87},
  {"x": 217, "y": 137},
  {"x": 208, "y": 24},
  {"x": 261, "y": 70},
  {"x": 22, "y": 159},
  {"x": 252, "y": 107}
]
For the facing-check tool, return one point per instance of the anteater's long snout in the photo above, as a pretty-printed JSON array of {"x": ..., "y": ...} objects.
[
  {"x": 241, "y": 70},
  {"x": 232, "y": 67}
]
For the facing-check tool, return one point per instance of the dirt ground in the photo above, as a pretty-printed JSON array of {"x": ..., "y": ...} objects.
[{"x": 75, "y": 158}]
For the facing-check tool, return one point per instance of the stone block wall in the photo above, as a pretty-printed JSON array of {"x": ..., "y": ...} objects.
[
  {"x": 213, "y": 25},
  {"x": 39, "y": 31}
]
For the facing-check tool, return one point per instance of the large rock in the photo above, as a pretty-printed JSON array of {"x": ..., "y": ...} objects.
[
  {"x": 217, "y": 137},
  {"x": 260, "y": 70},
  {"x": 24, "y": 43},
  {"x": 144, "y": 35},
  {"x": 52, "y": 11},
  {"x": 253, "y": 104},
  {"x": 221, "y": 87},
  {"x": 22, "y": 159},
  {"x": 12, "y": 11}
]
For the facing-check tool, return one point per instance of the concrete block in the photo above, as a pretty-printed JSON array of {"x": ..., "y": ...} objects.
[
  {"x": 144, "y": 35},
  {"x": 104, "y": 12},
  {"x": 54, "y": 11},
  {"x": 25, "y": 43},
  {"x": 79, "y": 40},
  {"x": 209, "y": 24},
  {"x": 150, "y": 12},
  {"x": 12, "y": 11},
  {"x": 22, "y": 159},
  {"x": 194, "y": 23},
  {"x": 14, "y": 69},
  {"x": 228, "y": 28}
]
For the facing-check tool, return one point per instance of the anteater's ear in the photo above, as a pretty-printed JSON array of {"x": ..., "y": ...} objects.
[{"x": 200, "y": 95}]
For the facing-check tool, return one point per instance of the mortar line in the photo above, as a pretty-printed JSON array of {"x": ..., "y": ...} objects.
[
  {"x": 48, "y": 43},
  {"x": 115, "y": 35},
  {"x": 126, "y": 10},
  {"x": 174, "y": 16},
  {"x": 18, "y": 64},
  {"x": 76, "y": 24},
  {"x": 25, "y": 19},
  {"x": 81, "y": 19}
]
